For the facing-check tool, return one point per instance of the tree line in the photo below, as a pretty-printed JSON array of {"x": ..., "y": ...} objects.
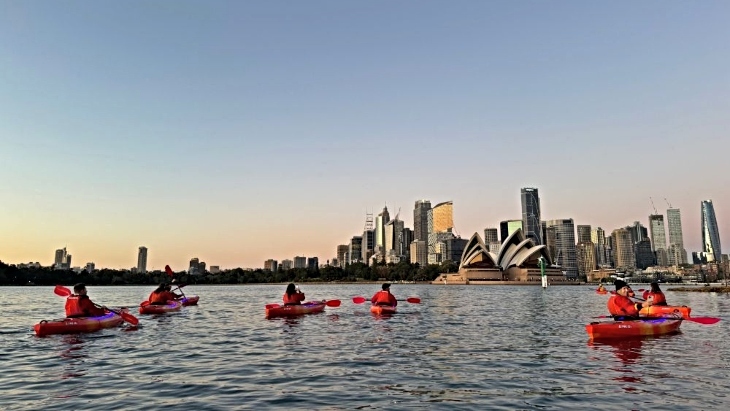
[{"x": 403, "y": 271}]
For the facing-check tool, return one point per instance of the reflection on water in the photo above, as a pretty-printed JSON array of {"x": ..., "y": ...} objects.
[{"x": 463, "y": 347}]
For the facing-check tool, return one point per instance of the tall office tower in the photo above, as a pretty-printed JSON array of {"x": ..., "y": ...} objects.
[
  {"x": 300, "y": 262},
  {"x": 271, "y": 265},
  {"x": 194, "y": 266},
  {"x": 406, "y": 240},
  {"x": 506, "y": 228},
  {"x": 491, "y": 235},
  {"x": 598, "y": 238},
  {"x": 368, "y": 245},
  {"x": 610, "y": 253},
  {"x": 285, "y": 265},
  {"x": 584, "y": 234},
  {"x": 531, "y": 215},
  {"x": 142, "y": 260},
  {"x": 394, "y": 237},
  {"x": 380, "y": 221},
  {"x": 68, "y": 260},
  {"x": 551, "y": 241},
  {"x": 645, "y": 258},
  {"x": 676, "y": 252},
  {"x": 623, "y": 249},
  {"x": 419, "y": 252},
  {"x": 313, "y": 263},
  {"x": 60, "y": 257},
  {"x": 638, "y": 232},
  {"x": 454, "y": 249},
  {"x": 564, "y": 245},
  {"x": 355, "y": 250},
  {"x": 658, "y": 240},
  {"x": 586, "y": 258},
  {"x": 440, "y": 225},
  {"x": 420, "y": 220},
  {"x": 342, "y": 249},
  {"x": 710, "y": 232}
]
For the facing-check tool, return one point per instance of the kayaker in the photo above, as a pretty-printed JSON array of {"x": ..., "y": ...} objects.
[
  {"x": 162, "y": 295},
  {"x": 79, "y": 304},
  {"x": 384, "y": 297},
  {"x": 293, "y": 296},
  {"x": 601, "y": 288},
  {"x": 620, "y": 305},
  {"x": 655, "y": 296}
]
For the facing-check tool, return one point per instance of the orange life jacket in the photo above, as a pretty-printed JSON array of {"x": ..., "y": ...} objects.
[
  {"x": 619, "y": 305},
  {"x": 384, "y": 298},
  {"x": 160, "y": 298},
  {"x": 294, "y": 299},
  {"x": 73, "y": 308},
  {"x": 657, "y": 298}
]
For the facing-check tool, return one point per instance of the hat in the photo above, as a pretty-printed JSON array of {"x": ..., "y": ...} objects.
[
  {"x": 386, "y": 286},
  {"x": 620, "y": 284}
]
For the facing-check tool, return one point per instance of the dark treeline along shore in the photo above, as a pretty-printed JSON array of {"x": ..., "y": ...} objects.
[{"x": 12, "y": 275}]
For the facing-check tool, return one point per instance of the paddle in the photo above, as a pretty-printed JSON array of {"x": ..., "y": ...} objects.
[
  {"x": 328, "y": 303},
  {"x": 171, "y": 273},
  {"x": 698, "y": 320},
  {"x": 65, "y": 292},
  {"x": 360, "y": 300}
]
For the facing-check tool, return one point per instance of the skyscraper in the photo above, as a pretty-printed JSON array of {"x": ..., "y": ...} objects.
[
  {"x": 564, "y": 245},
  {"x": 342, "y": 250},
  {"x": 506, "y": 228},
  {"x": 368, "y": 245},
  {"x": 585, "y": 251},
  {"x": 584, "y": 234},
  {"x": 491, "y": 235},
  {"x": 676, "y": 252},
  {"x": 355, "y": 250},
  {"x": 623, "y": 249},
  {"x": 710, "y": 232},
  {"x": 380, "y": 221},
  {"x": 598, "y": 238},
  {"x": 531, "y": 214},
  {"x": 271, "y": 265},
  {"x": 658, "y": 239},
  {"x": 440, "y": 226},
  {"x": 142, "y": 260},
  {"x": 420, "y": 220}
]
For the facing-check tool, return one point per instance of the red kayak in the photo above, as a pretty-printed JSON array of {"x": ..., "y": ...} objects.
[
  {"x": 632, "y": 328},
  {"x": 186, "y": 301},
  {"x": 78, "y": 325},
  {"x": 604, "y": 291},
  {"x": 147, "y": 308},
  {"x": 312, "y": 307},
  {"x": 382, "y": 309},
  {"x": 669, "y": 311}
]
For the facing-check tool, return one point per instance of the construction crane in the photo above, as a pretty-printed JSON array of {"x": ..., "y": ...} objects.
[
  {"x": 668, "y": 204},
  {"x": 652, "y": 206}
]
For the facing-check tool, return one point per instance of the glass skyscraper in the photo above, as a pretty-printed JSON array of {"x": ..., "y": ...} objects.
[
  {"x": 710, "y": 232},
  {"x": 531, "y": 214}
]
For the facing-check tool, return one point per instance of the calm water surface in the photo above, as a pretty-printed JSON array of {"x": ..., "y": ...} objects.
[{"x": 464, "y": 347}]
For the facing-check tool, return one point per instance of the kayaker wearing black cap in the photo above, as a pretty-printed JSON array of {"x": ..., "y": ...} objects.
[
  {"x": 384, "y": 297},
  {"x": 620, "y": 305},
  {"x": 655, "y": 296}
]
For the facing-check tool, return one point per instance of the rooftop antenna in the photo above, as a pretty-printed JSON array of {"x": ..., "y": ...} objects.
[
  {"x": 652, "y": 206},
  {"x": 665, "y": 199}
]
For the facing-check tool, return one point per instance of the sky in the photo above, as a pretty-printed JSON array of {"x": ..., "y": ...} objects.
[{"x": 238, "y": 131}]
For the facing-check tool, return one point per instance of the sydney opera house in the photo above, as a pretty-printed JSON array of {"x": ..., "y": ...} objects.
[{"x": 518, "y": 262}]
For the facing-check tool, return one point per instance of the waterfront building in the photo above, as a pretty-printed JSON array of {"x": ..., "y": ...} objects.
[
  {"x": 506, "y": 228},
  {"x": 285, "y": 265},
  {"x": 419, "y": 252},
  {"x": 420, "y": 220},
  {"x": 342, "y": 249},
  {"x": 142, "y": 260},
  {"x": 586, "y": 258},
  {"x": 531, "y": 214},
  {"x": 676, "y": 252},
  {"x": 658, "y": 240},
  {"x": 710, "y": 232},
  {"x": 623, "y": 249},
  {"x": 300, "y": 262},
  {"x": 271, "y": 265},
  {"x": 440, "y": 226},
  {"x": 313, "y": 263},
  {"x": 368, "y": 244},
  {"x": 645, "y": 257},
  {"x": 564, "y": 248},
  {"x": 598, "y": 238},
  {"x": 380, "y": 221},
  {"x": 355, "y": 250}
]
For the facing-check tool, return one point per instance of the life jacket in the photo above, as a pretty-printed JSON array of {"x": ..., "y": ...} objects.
[
  {"x": 160, "y": 298},
  {"x": 73, "y": 307},
  {"x": 620, "y": 306},
  {"x": 294, "y": 299},
  {"x": 383, "y": 298},
  {"x": 657, "y": 298}
]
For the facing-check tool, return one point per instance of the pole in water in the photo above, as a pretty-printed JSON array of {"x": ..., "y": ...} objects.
[{"x": 542, "y": 273}]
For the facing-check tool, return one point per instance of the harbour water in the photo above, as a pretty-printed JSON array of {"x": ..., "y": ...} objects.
[{"x": 463, "y": 347}]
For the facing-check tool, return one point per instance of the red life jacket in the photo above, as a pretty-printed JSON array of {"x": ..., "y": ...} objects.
[
  {"x": 294, "y": 299},
  {"x": 619, "y": 305},
  {"x": 384, "y": 298},
  {"x": 657, "y": 298},
  {"x": 161, "y": 298},
  {"x": 73, "y": 308}
]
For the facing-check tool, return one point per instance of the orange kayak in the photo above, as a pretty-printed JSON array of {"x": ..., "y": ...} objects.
[
  {"x": 78, "y": 325},
  {"x": 665, "y": 311},
  {"x": 632, "y": 328},
  {"x": 171, "y": 305},
  {"x": 382, "y": 309},
  {"x": 276, "y": 310},
  {"x": 601, "y": 291}
]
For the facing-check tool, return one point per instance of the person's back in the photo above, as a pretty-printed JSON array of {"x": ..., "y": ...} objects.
[
  {"x": 384, "y": 297},
  {"x": 160, "y": 296},
  {"x": 293, "y": 296},
  {"x": 655, "y": 296}
]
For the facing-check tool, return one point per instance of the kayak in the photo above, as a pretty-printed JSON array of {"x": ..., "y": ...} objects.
[
  {"x": 382, "y": 309},
  {"x": 665, "y": 311},
  {"x": 312, "y": 307},
  {"x": 171, "y": 305},
  {"x": 186, "y": 301},
  {"x": 78, "y": 325},
  {"x": 632, "y": 328},
  {"x": 601, "y": 291}
]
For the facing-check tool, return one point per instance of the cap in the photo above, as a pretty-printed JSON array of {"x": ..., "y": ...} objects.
[
  {"x": 619, "y": 284},
  {"x": 386, "y": 286}
]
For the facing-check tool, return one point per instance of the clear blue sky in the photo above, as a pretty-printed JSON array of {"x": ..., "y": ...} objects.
[{"x": 241, "y": 131}]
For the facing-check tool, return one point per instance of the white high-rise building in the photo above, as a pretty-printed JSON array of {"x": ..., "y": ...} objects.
[
  {"x": 676, "y": 252},
  {"x": 380, "y": 221},
  {"x": 658, "y": 239},
  {"x": 142, "y": 260}
]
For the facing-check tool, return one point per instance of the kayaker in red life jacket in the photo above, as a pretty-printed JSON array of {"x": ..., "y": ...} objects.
[
  {"x": 80, "y": 305},
  {"x": 293, "y": 296},
  {"x": 384, "y": 297},
  {"x": 655, "y": 296},
  {"x": 162, "y": 295},
  {"x": 620, "y": 305}
]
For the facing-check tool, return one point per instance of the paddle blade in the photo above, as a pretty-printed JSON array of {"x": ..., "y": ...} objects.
[
  {"x": 268, "y": 306},
  {"x": 358, "y": 300},
  {"x": 62, "y": 291},
  {"x": 168, "y": 270},
  {"x": 333, "y": 303},
  {"x": 413, "y": 300},
  {"x": 703, "y": 320},
  {"x": 129, "y": 318}
]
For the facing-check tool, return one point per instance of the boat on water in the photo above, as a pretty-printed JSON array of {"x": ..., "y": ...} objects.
[
  {"x": 382, "y": 309},
  {"x": 187, "y": 301},
  {"x": 147, "y": 308},
  {"x": 277, "y": 310},
  {"x": 669, "y": 311},
  {"x": 78, "y": 325},
  {"x": 645, "y": 327}
]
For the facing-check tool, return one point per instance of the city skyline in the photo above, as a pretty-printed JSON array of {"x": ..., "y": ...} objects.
[{"x": 239, "y": 132}]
